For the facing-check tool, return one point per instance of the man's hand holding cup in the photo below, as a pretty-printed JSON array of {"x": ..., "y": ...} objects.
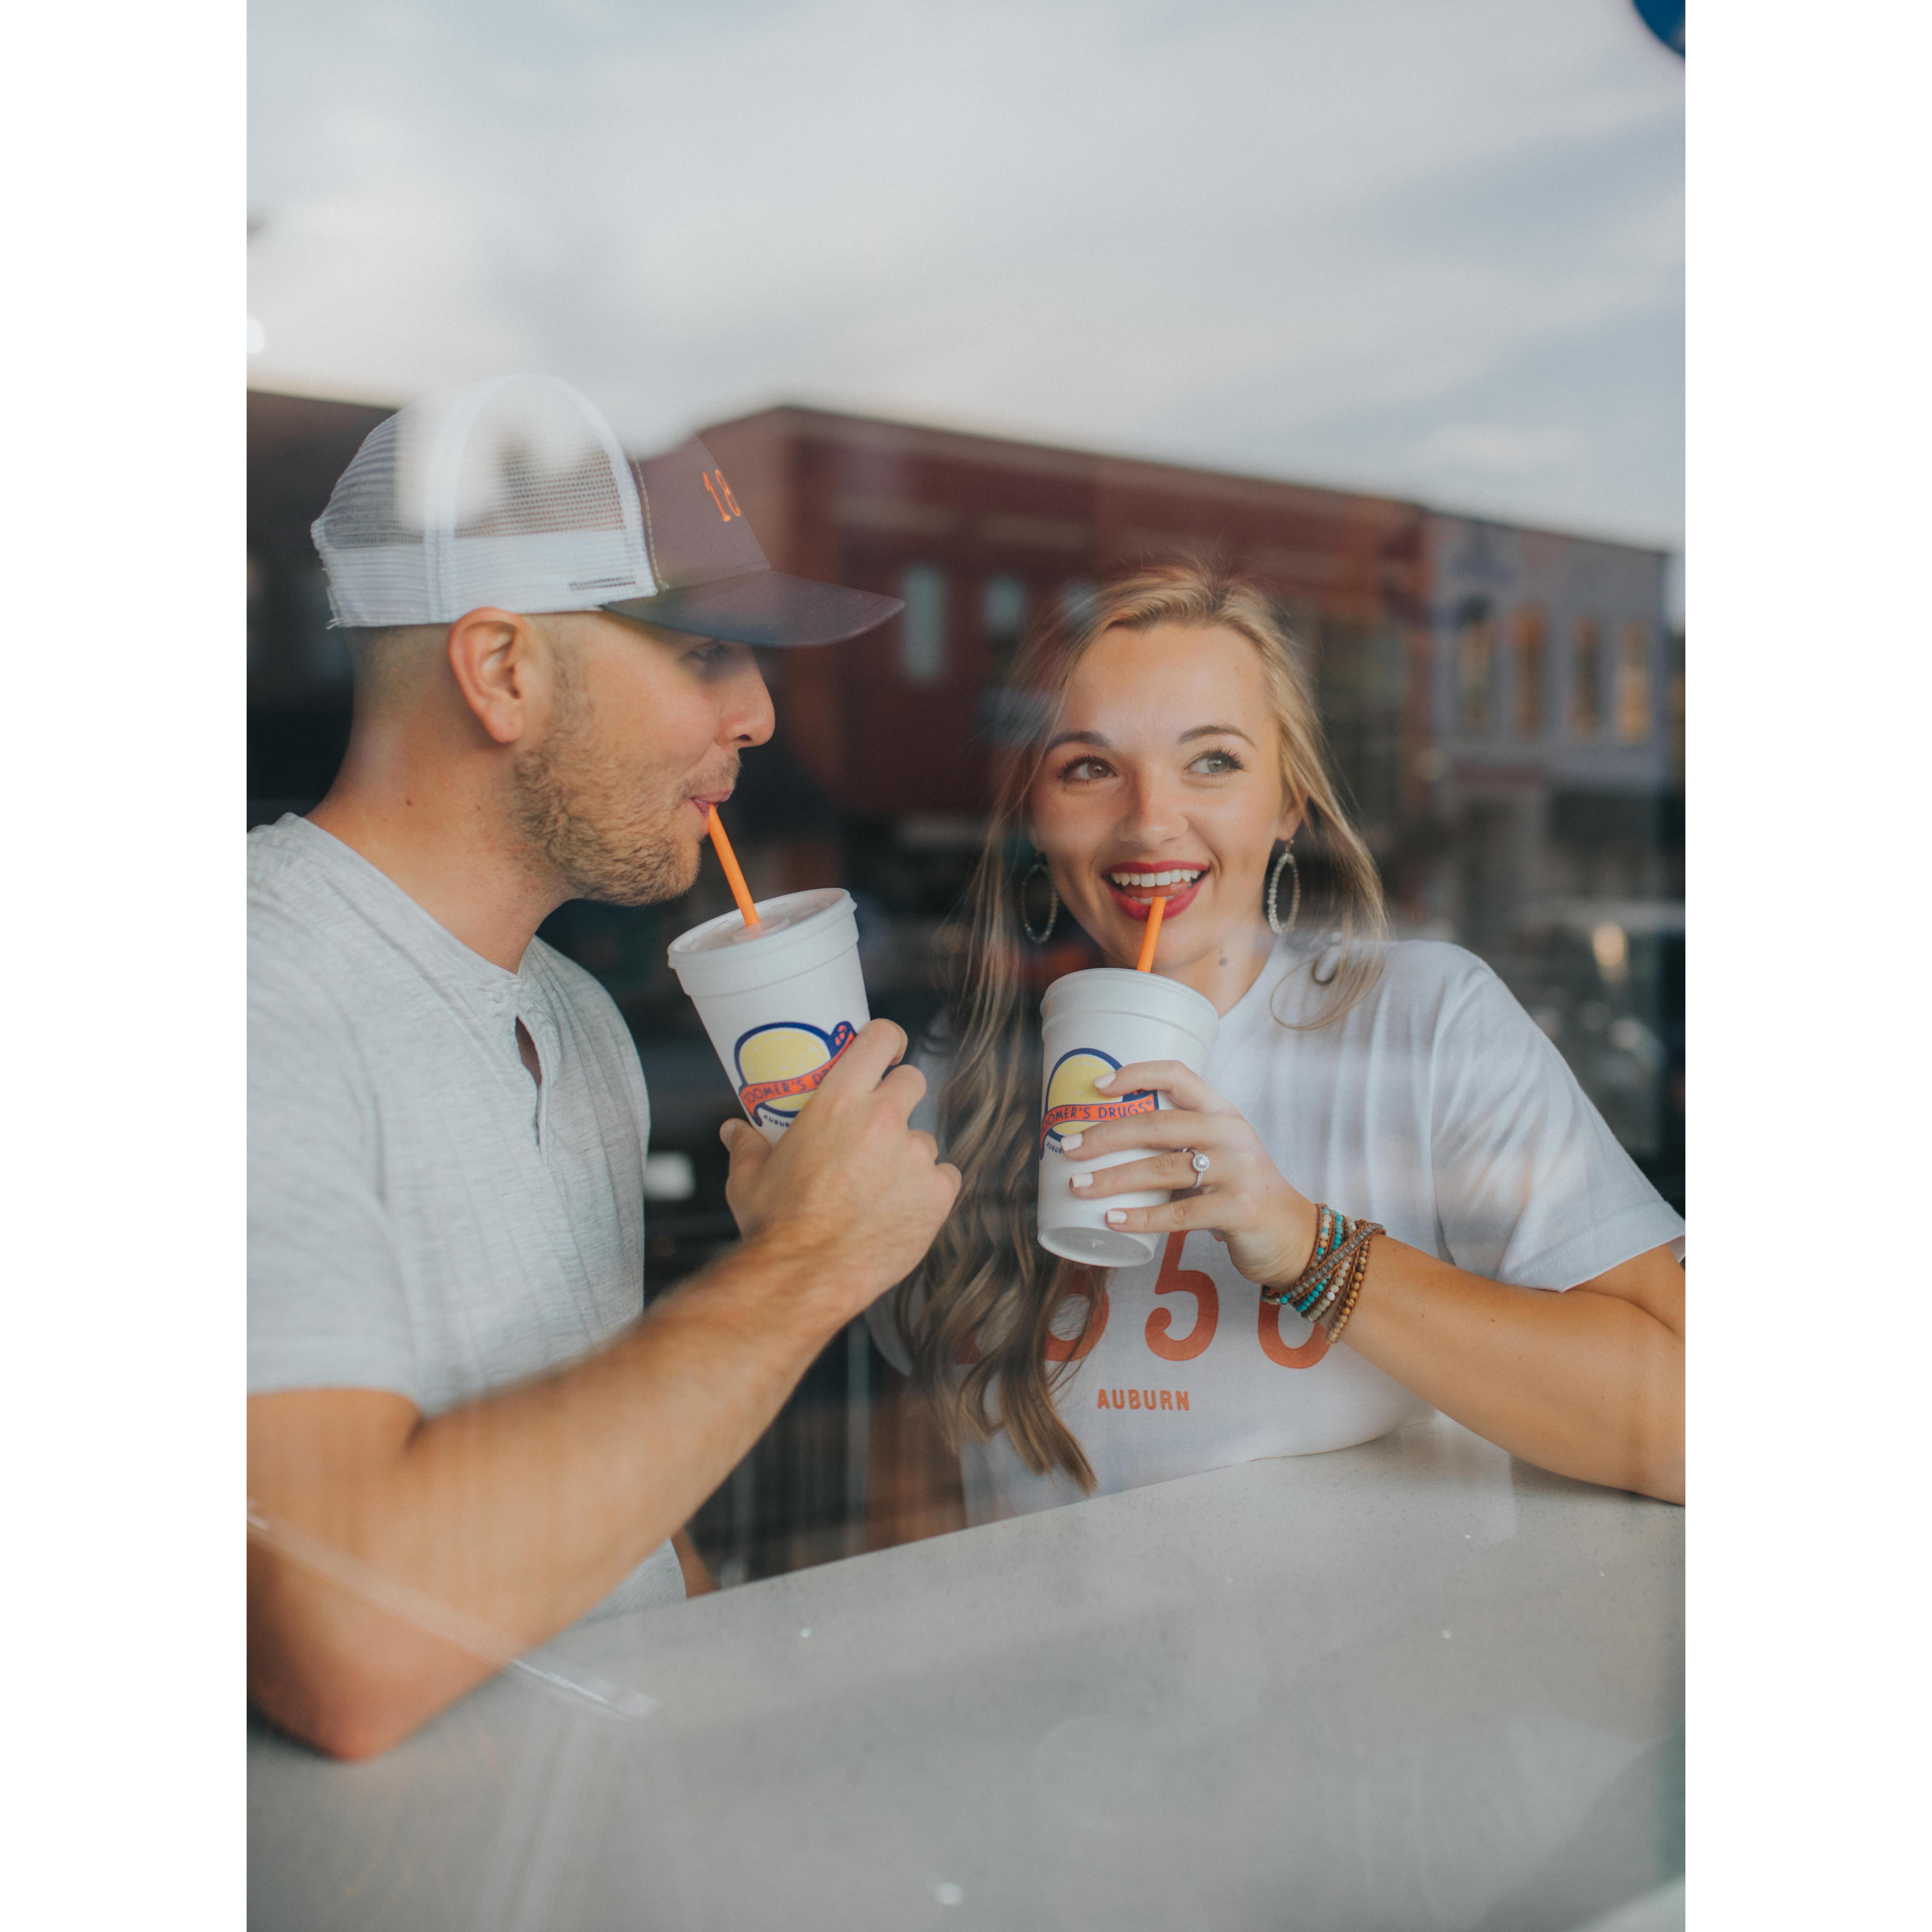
[{"x": 850, "y": 1191}]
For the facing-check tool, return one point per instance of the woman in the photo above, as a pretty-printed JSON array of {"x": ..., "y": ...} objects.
[{"x": 1528, "y": 1283}]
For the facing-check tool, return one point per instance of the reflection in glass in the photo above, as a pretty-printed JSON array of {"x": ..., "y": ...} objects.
[
  {"x": 1633, "y": 704},
  {"x": 1674, "y": 705},
  {"x": 1006, "y": 608},
  {"x": 1475, "y": 656},
  {"x": 922, "y": 628},
  {"x": 1586, "y": 680},
  {"x": 1532, "y": 629}
]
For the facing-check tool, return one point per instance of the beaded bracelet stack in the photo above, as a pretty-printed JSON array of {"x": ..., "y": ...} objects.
[{"x": 1328, "y": 1286}]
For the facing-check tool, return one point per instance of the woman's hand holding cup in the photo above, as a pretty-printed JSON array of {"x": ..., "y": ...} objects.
[{"x": 1240, "y": 1197}]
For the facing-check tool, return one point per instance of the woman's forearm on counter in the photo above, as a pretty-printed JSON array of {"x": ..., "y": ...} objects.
[{"x": 1588, "y": 1383}]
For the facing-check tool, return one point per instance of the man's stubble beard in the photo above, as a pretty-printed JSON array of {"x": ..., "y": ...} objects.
[{"x": 605, "y": 830}]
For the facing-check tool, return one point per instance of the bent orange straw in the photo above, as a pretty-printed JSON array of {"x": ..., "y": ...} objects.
[
  {"x": 1155, "y": 910},
  {"x": 728, "y": 858}
]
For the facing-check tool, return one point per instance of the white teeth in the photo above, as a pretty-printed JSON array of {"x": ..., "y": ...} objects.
[{"x": 1154, "y": 879}]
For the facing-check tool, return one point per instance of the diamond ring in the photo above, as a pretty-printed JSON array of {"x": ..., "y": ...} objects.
[{"x": 1200, "y": 1161}]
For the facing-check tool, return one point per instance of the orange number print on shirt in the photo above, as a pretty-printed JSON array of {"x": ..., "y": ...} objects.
[
  {"x": 1176, "y": 1279},
  {"x": 1061, "y": 1349},
  {"x": 1268, "y": 1330}
]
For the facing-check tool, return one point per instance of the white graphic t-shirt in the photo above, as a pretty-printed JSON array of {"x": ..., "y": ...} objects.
[{"x": 1436, "y": 1107}]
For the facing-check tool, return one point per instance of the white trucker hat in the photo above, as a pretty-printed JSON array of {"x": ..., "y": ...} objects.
[{"x": 515, "y": 493}]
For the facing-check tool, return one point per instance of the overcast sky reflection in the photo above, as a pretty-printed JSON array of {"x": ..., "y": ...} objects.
[{"x": 1432, "y": 246}]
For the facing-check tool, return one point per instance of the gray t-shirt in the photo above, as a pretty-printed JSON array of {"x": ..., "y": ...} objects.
[{"x": 423, "y": 1216}]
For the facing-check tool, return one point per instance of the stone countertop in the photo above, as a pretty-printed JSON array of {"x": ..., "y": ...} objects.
[{"x": 1413, "y": 1685}]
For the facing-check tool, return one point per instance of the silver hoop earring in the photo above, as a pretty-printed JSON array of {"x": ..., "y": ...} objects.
[
  {"x": 1275, "y": 924},
  {"x": 1039, "y": 866}
]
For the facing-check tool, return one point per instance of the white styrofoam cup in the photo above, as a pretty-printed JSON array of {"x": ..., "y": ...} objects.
[
  {"x": 1092, "y": 1022},
  {"x": 780, "y": 1001}
]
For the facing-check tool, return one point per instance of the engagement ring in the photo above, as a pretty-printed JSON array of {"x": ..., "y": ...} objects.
[{"x": 1200, "y": 1160}]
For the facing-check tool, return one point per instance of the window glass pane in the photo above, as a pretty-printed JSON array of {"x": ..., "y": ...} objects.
[
  {"x": 1422, "y": 666},
  {"x": 1361, "y": 674},
  {"x": 1586, "y": 680},
  {"x": 1475, "y": 664},
  {"x": 1532, "y": 628},
  {"x": 1006, "y": 607},
  {"x": 1633, "y": 684},
  {"x": 1004, "y": 613},
  {"x": 922, "y": 628},
  {"x": 1674, "y": 705}
]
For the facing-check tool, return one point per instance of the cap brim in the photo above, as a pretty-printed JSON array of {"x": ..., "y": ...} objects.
[{"x": 764, "y": 607}]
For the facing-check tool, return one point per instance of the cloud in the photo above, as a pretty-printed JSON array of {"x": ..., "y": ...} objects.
[
  {"x": 1215, "y": 232},
  {"x": 1498, "y": 449}
]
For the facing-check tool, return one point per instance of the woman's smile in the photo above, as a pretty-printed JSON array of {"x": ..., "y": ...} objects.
[{"x": 1135, "y": 888}]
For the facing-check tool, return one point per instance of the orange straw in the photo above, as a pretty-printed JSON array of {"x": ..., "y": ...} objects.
[
  {"x": 1155, "y": 910},
  {"x": 728, "y": 858}
]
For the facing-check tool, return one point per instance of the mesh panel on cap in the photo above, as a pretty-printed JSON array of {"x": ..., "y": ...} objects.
[
  {"x": 513, "y": 493},
  {"x": 371, "y": 549}
]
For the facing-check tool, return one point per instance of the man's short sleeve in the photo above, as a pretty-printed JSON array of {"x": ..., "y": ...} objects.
[
  {"x": 1532, "y": 1187},
  {"x": 325, "y": 1305}
]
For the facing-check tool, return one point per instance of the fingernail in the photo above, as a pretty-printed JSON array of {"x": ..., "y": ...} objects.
[
  {"x": 1080, "y": 1180},
  {"x": 1105, "y": 1080},
  {"x": 1069, "y": 1141},
  {"x": 1116, "y": 1217}
]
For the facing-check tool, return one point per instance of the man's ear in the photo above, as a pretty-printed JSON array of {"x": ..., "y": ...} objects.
[{"x": 499, "y": 667}]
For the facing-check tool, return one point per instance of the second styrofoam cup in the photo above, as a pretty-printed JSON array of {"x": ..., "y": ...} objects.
[
  {"x": 780, "y": 1001},
  {"x": 1091, "y": 1023}
]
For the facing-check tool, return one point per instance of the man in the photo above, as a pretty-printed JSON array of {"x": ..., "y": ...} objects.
[{"x": 461, "y": 1437}]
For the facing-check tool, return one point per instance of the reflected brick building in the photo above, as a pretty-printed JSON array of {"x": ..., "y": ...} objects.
[
  {"x": 976, "y": 533},
  {"x": 1552, "y": 678}
]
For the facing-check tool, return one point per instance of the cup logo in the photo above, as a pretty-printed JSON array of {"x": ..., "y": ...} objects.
[
  {"x": 780, "y": 1066},
  {"x": 1073, "y": 1100}
]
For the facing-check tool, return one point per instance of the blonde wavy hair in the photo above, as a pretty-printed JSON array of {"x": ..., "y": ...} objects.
[{"x": 983, "y": 1300}]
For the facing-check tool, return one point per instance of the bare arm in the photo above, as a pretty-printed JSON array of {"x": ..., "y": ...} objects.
[
  {"x": 518, "y": 1512},
  {"x": 1589, "y": 1383}
]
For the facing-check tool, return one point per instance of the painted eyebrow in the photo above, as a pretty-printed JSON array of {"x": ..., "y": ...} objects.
[{"x": 1099, "y": 741}]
